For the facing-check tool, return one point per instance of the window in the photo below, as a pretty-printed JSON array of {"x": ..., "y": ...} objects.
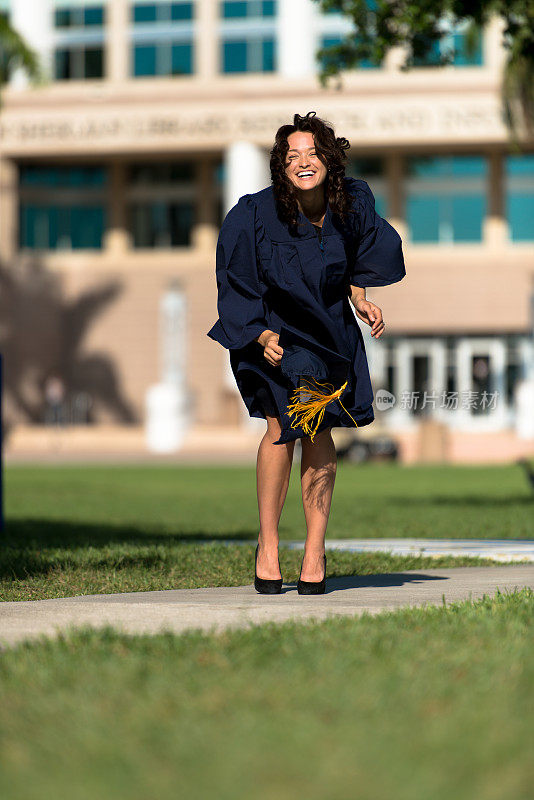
[
  {"x": 253, "y": 54},
  {"x": 161, "y": 204},
  {"x": 247, "y": 36},
  {"x": 332, "y": 40},
  {"x": 147, "y": 13},
  {"x": 79, "y": 42},
  {"x": 162, "y": 39},
  {"x": 162, "y": 174},
  {"x": 79, "y": 16},
  {"x": 371, "y": 170},
  {"x": 446, "y": 198},
  {"x": 163, "y": 58},
  {"x": 144, "y": 59},
  {"x": 62, "y": 208},
  {"x": 240, "y": 9},
  {"x": 514, "y": 367},
  {"x": 78, "y": 63},
  {"x": 520, "y": 196},
  {"x": 161, "y": 224},
  {"x": 453, "y": 44}
]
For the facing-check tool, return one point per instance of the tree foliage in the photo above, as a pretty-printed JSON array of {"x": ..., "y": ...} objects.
[
  {"x": 417, "y": 26},
  {"x": 14, "y": 52}
]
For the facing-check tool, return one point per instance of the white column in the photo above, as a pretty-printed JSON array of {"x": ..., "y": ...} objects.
[
  {"x": 246, "y": 171},
  {"x": 403, "y": 382},
  {"x": 33, "y": 21},
  {"x": 117, "y": 62},
  {"x": 438, "y": 375},
  {"x": 296, "y": 39},
  {"x": 207, "y": 45}
]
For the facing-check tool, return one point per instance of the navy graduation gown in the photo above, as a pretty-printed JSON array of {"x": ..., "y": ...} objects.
[{"x": 268, "y": 277}]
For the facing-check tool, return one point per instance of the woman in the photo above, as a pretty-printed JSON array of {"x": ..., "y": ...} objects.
[{"x": 289, "y": 258}]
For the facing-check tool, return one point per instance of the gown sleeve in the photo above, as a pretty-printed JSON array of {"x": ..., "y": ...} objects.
[
  {"x": 378, "y": 260},
  {"x": 240, "y": 302}
]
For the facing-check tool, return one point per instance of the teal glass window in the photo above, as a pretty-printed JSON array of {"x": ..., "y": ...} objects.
[
  {"x": 268, "y": 55},
  {"x": 163, "y": 58},
  {"x": 446, "y": 198},
  {"x": 144, "y": 59},
  {"x": 161, "y": 203},
  {"x": 62, "y": 177},
  {"x": 62, "y": 65},
  {"x": 93, "y": 15},
  {"x": 159, "y": 174},
  {"x": 181, "y": 59},
  {"x": 253, "y": 54},
  {"x": 79, "y": 54},
  {"x": 146, "y": 13},
  {"x": 371, "y": 170},
  {"x": 78, "y": 63},
  {"x": 55, "y": 218},
  {"x": 161, "y": 224},
  {"x": 235, "y": 56},
  {"x": 452, "y": 43},
  {"x": 62, "y": 18},
  {"x": 234, "y": 9},
  {"x": 181, "y": 11},
  {"x": 331, "y": 41},
  {"x": 61, "y": 227},
  {"x": 519, "y": 171},
  {"x": 75, "y": 16},
  {"x": 461, "y": 57},
  {"x": 241, "y": 9},
  {"x": 93, "y": 62}
]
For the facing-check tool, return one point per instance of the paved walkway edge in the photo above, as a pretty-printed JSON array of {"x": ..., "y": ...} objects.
[{"x": 215, "y": 609}]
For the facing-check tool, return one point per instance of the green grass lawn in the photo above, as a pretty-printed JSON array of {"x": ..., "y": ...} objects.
[
  {"x": 87, "y": 529},
  {"x": 419, "y": 704}
]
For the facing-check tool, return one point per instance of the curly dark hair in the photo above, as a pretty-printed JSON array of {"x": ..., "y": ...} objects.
[{"x": 330, "y": 150}]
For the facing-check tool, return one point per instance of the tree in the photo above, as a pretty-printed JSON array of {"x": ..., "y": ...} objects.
[
  {"x": 417, "y": 27},
  {"x": 15, "y": 53}
]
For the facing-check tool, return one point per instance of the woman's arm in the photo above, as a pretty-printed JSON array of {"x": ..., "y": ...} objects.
[
  {"x": 368, "y": 312},
  {"x": 356, "y": 293}
]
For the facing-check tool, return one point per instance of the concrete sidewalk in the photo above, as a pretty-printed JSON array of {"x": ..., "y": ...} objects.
[
  {"x": 498, "y": 549},
  {"x": 521, "y": 550},
  {"x": 240, "y": 606}
]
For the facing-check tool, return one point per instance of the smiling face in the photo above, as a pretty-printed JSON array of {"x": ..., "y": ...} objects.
[{"x": 304, "y": 168}]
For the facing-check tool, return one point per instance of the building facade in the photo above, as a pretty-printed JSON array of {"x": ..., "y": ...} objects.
[{"x": 154, "y": 118}]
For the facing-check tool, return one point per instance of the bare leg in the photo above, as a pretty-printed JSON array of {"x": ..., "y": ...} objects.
[
  {"x": 273, "y": 469},
  {"x": 318, "y": 474}
]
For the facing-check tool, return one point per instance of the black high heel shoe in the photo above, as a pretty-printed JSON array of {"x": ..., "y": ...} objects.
[
  {"x": 266, "y": 585},
  {"x": 312, "y": 587}
]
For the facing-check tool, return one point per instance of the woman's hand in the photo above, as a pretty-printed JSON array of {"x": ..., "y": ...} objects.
[
  {"x": 272, "y": 351},
  {"x": 371, "y": 314}
]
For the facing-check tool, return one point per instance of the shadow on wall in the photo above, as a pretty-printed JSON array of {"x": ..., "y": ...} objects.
[{"x": 41, "y": 335}]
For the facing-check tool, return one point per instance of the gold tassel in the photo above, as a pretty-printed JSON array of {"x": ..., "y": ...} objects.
[{"x": 306, "y": 409}]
